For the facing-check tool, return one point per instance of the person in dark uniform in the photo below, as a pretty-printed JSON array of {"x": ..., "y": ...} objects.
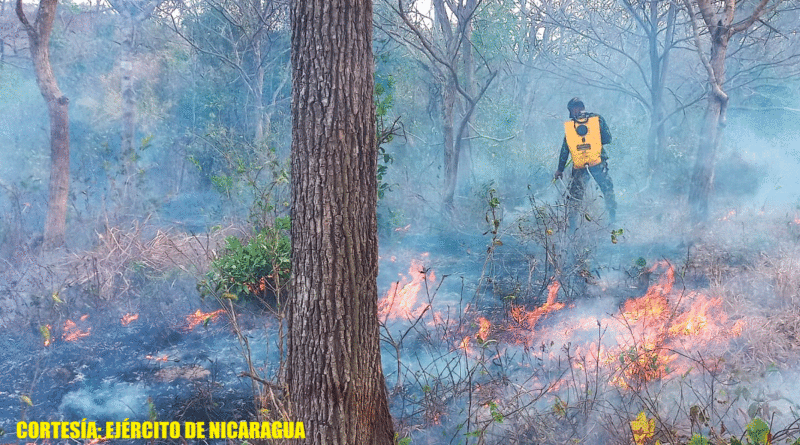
[{"x": 585, "y": 137}]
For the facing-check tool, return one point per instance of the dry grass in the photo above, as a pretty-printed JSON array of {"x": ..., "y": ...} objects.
[
  {"x": 766, "y": 296},
  {"x": 105, "y": 271},
  {"x": 106, "y": 268},
  {"x": 750, "y": 259}
]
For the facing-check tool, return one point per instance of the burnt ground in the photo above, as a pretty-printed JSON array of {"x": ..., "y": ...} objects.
[{"x": 156, "y": 367}]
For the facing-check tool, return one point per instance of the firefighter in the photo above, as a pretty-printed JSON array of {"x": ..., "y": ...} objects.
[{"x": 585, "y": 135}]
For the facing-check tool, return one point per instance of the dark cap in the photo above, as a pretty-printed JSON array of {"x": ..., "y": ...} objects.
[{"x": 575, "y": 102}]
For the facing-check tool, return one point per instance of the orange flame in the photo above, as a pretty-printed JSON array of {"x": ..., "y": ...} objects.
[
  {"x": 199, "y": 316},
  {"x": 401, "y": 299},
  {"x": 647, "y": 333},
  {"x": 530, "y": 318},
  {"x": 731, "y": 213},
  {"x": 71, "y": 331},
  {"x": 662, "y": 322},
  {"x": 483, "y": 331},
  {"x": 128, "y": 319},
  {"x": 696, "y": 320}
]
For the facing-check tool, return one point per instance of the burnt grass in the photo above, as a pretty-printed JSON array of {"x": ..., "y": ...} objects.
[{"x": 155, "y": 367}]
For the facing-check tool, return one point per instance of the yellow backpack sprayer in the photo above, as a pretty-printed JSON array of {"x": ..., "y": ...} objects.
[{"x": 583, "y": 140}]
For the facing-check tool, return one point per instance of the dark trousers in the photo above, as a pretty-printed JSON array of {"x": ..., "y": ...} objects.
[{"x": 577, "y": 187}]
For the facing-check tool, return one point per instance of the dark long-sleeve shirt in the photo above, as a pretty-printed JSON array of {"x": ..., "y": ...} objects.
[{"x": 605, "y": 138}]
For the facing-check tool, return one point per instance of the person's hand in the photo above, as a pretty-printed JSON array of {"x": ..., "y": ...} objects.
[{"x": 558, "y": 175}]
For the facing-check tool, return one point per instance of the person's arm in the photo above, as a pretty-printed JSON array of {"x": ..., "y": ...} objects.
[{"x": 562, "y": 159}]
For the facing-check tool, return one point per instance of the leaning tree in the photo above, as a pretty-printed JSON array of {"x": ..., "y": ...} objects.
[
  {"x": 721, "y": 20},
  {"x": 58, "y": 108}
]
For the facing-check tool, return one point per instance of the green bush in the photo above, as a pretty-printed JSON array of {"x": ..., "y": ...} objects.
[{"x": 258, "y": 268}]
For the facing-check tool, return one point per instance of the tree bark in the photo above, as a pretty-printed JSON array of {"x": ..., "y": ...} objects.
[
  {"x": 716, "y": 111},
  {"x": 334, "y": 376},
  {"x": 58, "y": 109},
  {"x": 703, "y": 173}
]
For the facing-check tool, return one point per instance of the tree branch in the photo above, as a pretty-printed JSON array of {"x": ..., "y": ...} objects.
[
  {"x": 24, "y": 20},
  {"x": 757, "y": 13},
  {"x": 696, "y": 31}
]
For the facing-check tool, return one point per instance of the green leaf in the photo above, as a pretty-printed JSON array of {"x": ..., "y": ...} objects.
[
  {"x": 497, "y": 416},
  {"x": 403, "y": 441},
  {"x": 45, "y": 331},
  {"x": 758, "y": 432},
  {"x": 698, "y": 440}
]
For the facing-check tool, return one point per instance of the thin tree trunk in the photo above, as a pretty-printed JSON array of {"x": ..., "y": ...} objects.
[
  {"x": 669, "y": 37},
  {"x": 127, "y": 148},
  {"x": 659, "y": 66},
  {"x": 258, "y": 97},
  {"x": 448, "y": 91},
  {"x": 2, "y": 42},
  {"x": 451, "y": 151},
  {"x": 702, "y": 179},
  {"x": 58, "y": 110},
  {"x": 334, "y": 376},
  {"x": 703, "y": 172},
  {"x": 464, "y": 141}
]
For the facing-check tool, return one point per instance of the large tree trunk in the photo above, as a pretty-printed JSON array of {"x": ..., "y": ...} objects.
[
  {"x": 334, "y": 376},
  {"x": 58, "y": 109}
]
